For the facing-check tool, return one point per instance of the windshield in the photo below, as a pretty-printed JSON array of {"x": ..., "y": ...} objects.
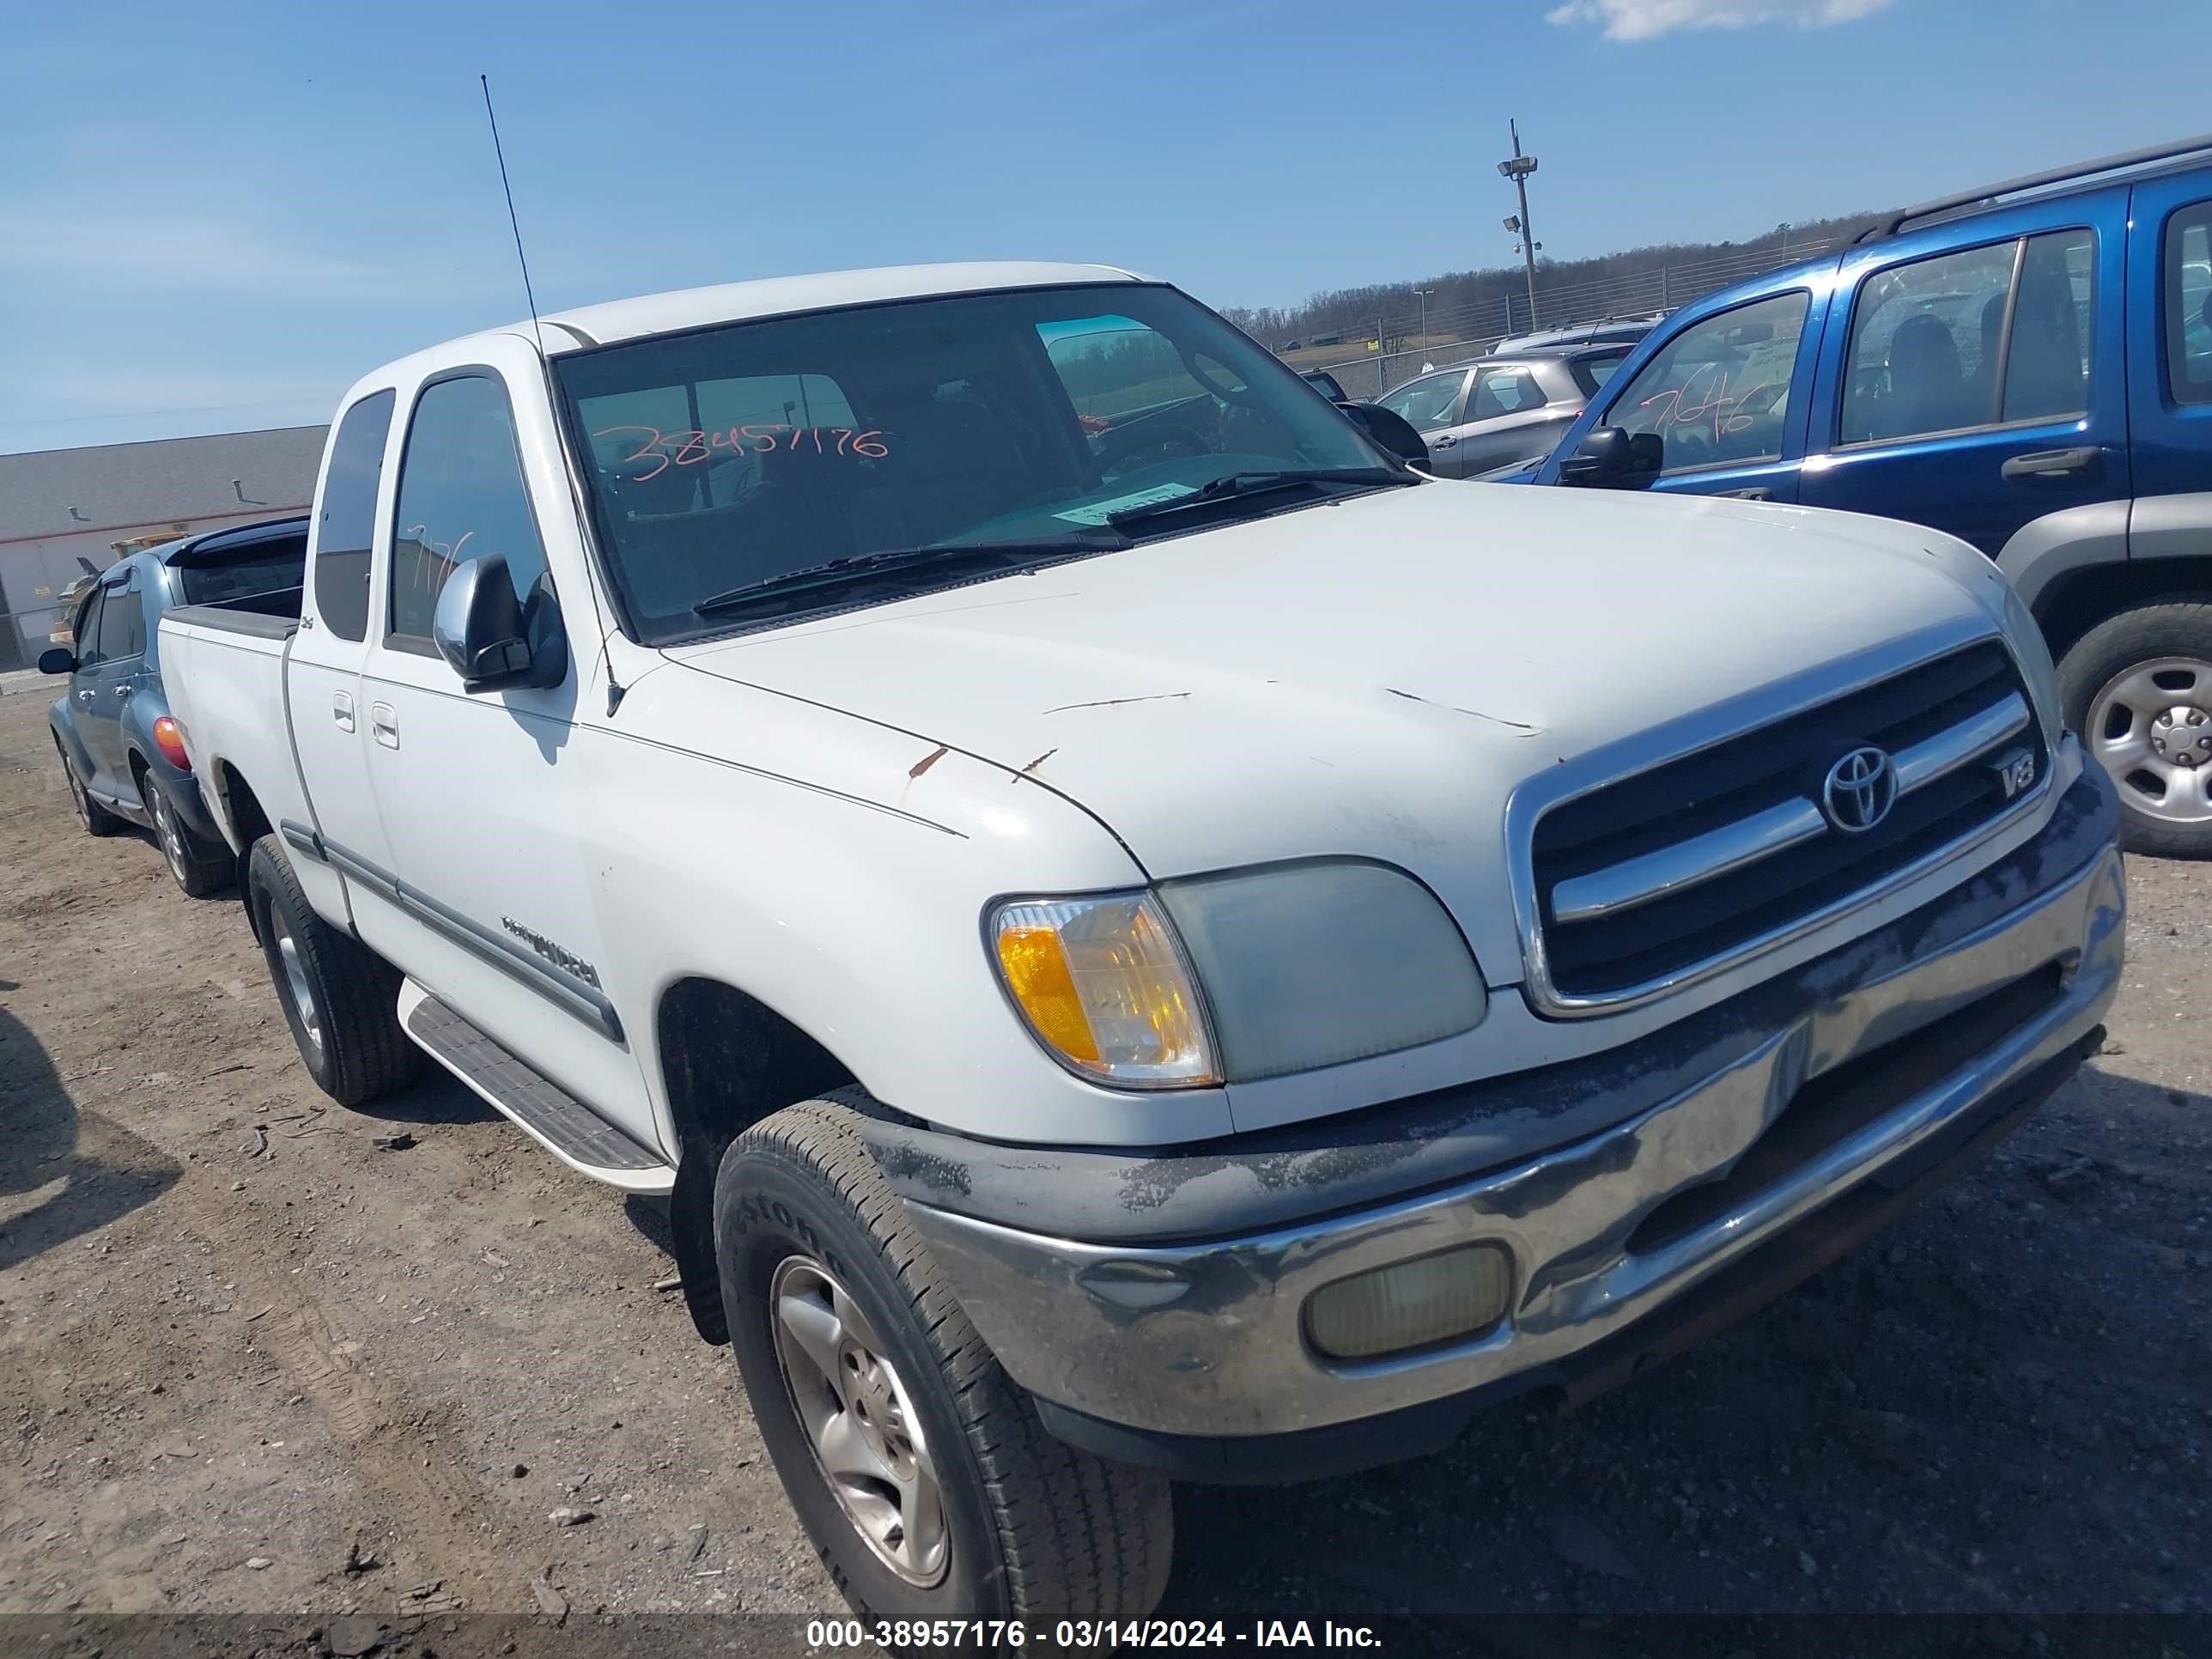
[{"x": 736, "y": 455}]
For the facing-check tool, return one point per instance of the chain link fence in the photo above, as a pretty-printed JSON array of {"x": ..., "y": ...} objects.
[{"x": 1393, "y": 349}]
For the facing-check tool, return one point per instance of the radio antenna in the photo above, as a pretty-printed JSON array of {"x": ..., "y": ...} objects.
[{"x": 514, "y": 224}]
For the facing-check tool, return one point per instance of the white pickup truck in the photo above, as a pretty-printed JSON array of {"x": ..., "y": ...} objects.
[{"x": 1142, "y": 937}]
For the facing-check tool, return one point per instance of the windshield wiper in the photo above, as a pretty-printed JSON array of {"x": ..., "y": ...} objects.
[
  {"x": 1259, "y": 483},
  {"x": 863, "y": 566}
]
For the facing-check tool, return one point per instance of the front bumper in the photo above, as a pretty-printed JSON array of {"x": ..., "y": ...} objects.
[{"x": 1169, "y": 1328}]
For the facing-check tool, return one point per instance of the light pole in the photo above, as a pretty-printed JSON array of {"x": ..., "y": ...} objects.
[
  {"x": 1784, "y": 229},
  {"x": 1424, "y": 292},
  {"x": 1518, "y": 167}
]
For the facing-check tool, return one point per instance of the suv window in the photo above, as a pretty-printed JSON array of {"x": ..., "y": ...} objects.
[
  {"x": 2187, "y": 279},
  {"x": 1717, "y": 392},
  {"x": 348, "y": 524},
  {"x": 1591, "y": 373},
  {"x": 87, "y": 631},
  {"x": 461, "y": 496},
  {"x": 1928, "y": 340},
  {"x": 1503, "y": 392},
  {"x": 123, "y": 623},
  {"x": 1428, "y": 402},
  {"x": 248, "y": 570}
]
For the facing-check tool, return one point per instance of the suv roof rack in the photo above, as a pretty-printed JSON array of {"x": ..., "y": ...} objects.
[{"x": 1989, "y": 193}]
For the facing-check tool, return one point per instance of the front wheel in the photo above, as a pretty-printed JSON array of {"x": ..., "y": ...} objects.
[
  {"x": 2138, "y": 688},
  {"x": 96, "y": 819},
  {"x": 919, "y": 1469}
]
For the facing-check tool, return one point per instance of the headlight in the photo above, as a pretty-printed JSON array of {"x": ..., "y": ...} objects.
[
  {"x": 1104, "y": 985},
  {"x": 1323, "y": 961}
]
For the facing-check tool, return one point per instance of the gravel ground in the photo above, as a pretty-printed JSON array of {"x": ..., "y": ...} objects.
[{"x": 252, "y": 1361}]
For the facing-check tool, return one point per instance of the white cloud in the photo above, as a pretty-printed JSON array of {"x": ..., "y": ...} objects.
[{"x": 1641, "y": 20}]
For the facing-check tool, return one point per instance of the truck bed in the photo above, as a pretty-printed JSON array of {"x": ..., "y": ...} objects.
[{"x": 223, "y": 668}]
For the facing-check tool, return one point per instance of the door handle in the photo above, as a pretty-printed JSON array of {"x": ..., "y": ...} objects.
[
  {"x": 124, "y": 693},
  {"x": 1445, "y": 442},
  {"x": 84, "y": 696},
  {"x": 342, "y": 709},
  {"x": 2055, "y": 463},
  {"x": 383, "y": 724},
  {"x": 1755, "y": 493}
]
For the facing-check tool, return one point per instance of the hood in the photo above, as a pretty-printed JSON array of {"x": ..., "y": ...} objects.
[{"x": 1370, "y": 677}]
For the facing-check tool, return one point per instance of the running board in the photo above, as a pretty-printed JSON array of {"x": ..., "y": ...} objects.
[{"x": 563, "y": 1125}]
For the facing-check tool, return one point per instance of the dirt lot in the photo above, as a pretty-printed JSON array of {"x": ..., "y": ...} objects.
[{"x": 243, "y": 1346}]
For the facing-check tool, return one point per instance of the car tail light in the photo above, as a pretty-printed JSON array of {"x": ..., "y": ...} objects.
[{"x": 169, "y": 738}]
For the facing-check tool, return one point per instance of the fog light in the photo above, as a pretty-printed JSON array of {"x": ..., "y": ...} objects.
[{"x": 1412, "y": 1304}]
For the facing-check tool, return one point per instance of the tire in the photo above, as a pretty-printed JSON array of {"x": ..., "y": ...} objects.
[
  {"x": 348, "y": 1030},
  {"x": 1031, "y": 1527},
  {"x": 96, "y": 819},
  {"x": 2138, "y": 688},
  {"x": 199, "y": 868}
]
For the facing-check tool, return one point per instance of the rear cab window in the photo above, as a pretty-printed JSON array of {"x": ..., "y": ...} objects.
[
  {"x": 268, "y": 565},
  {"x": 346, "y": 527},
  {"x": 2185, "y": 278},
  {"x": 1718, "y": 394}
]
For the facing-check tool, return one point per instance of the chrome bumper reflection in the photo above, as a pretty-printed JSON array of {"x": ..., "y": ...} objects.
[{"x": 1206, "y": 1338}]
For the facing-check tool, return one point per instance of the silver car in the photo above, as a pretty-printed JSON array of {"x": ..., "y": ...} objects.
[{"x": 1500, "y": 410}]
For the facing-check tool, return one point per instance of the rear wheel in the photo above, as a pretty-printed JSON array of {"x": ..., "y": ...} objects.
[
  {"x": 199, "y": 868},
  {"x": 96, "y": 819},
  {"x": 340, "y": 999},
  {"x": 2139, "y": 690},
  {"x": 920, "y": 1469}
]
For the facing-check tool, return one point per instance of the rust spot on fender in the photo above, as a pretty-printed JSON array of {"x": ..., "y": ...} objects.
[{"x": 1115, "y": 702}]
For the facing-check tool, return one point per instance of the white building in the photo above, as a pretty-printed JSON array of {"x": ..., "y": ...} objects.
[{"x": 67, "y": 514}]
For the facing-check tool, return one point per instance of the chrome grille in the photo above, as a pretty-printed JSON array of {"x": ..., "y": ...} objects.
[{"x": 1648, "y": 878}]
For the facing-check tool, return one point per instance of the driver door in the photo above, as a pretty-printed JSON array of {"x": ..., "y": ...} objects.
[{"x": 1433, "y": 403}]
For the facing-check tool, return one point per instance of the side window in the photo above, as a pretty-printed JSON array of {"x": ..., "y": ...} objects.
[
  {"x": 87, "y": 632},
  {"x": 2186, "y": 275},
  {"x": 1428, "y": 402},
  {"x": 1591, "y": 373},
  {"x": 2046, "y": 374},
  {"x": 461, "y": 496},
  {"x": 123, "y": 623},
  {"x": 348, "y": 524},
  {"x": 1928, "y": 340},
  {"x": 1717, "y": 392},
  {"x": 1503, "y": 392}
]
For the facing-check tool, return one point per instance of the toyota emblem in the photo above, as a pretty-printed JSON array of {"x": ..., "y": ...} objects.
[{"x": 1860, "y": 790}]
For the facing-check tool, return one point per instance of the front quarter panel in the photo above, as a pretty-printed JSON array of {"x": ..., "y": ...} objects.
[{"x": 838, "y": 871}]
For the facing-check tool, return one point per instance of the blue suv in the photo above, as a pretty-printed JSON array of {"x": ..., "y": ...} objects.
[
  {"x": 119, "y": 746},
  {"x": 2027, "y": 366}
]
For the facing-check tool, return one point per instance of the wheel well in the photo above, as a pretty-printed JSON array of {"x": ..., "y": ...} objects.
[
  {"x": 250, "y": 824},
  {"x": 727, "y": 1061},
  {"x": 2081, "y": 600}
]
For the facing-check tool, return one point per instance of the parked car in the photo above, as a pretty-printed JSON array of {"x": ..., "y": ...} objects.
[
  {"x": 1502, "y": 412},
  {"x": 1605, "y": 330},
  {"x": 1126, "y": 964},
  {"x": 113, "y": 729},
  {"x": 1327, "y": 384},
  {"x": 2026, "y": 365}
]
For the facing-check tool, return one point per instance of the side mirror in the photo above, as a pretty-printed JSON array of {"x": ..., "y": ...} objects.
[
  {"x": 1390, "y": 430},
  {"x": 1610, "y": 459},
  {"x": 57, "y": 660},
  {"x": 490, "y": 638}
]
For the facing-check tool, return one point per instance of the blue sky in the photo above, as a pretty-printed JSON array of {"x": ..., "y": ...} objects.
[{"x": 214, "y": 217}]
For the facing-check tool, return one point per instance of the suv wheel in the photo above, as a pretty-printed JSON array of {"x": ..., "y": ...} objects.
[
  {"x": 919, "y": 1469},
  {"x": 2139, "y": 690},
  {"x": 96, "y": 819}
]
